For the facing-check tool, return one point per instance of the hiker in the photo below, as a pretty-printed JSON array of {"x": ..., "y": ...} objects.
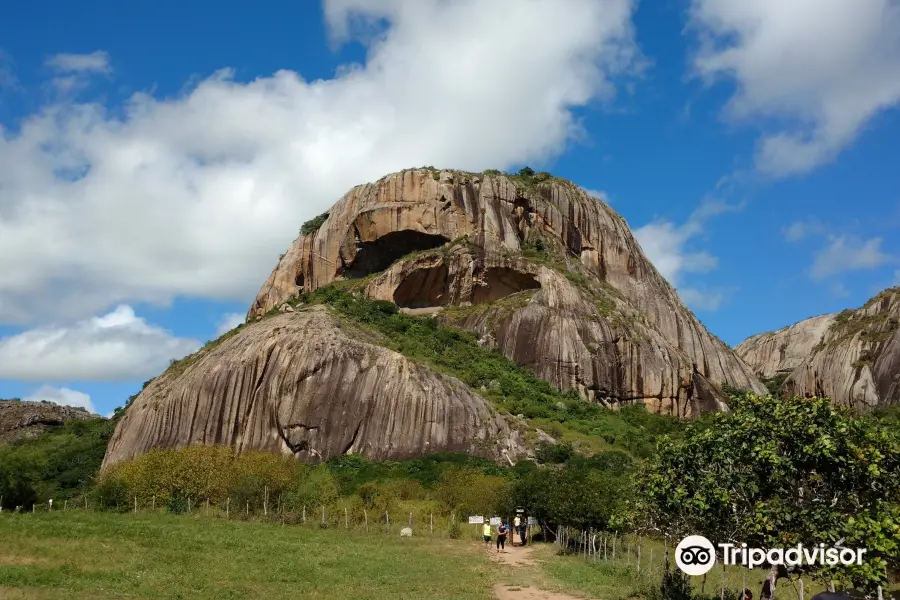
[
  {"x": 486, "y": 532},
  {"x": 517, "y": 528},
  {"x": 502, "y": 530},
  {"x": 748, "y": 595}
]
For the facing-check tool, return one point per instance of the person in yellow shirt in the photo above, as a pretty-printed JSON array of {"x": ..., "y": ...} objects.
[
  {"x": 486, "y": 532},
  {"x": 517, "y": 528}
]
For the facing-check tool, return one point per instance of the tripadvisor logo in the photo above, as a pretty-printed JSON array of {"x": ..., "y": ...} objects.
[{"x": 696, "y": 555}]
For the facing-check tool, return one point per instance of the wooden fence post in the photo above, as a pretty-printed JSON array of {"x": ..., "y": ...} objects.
[
  {"x": 410, "y": 519},
  {"x": 387, "y": 519},
  {"x": 65, "y": 504},
  {"x": 323, "y": 514},
  {"x": 628, "y": 555},
  {"x": 803, "y": 595},
  {"x": 266, "y": 501},
  {"x": 615, "y": 535},
  {"x": 227, "y": 507},
  {"x": 639, "y": 557},
  {"x": 743, "y": 583},
  {"x": 153, "y": 502},
  {"x": 366, "y": 517},
  {"x": 304, "y": 513},
  {"x": 432, "y": 524},
  {"x": 135, "y": 504},
  {"x": 346, "y": 519}
]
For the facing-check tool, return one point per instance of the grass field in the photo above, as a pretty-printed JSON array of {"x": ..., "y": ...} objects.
[
  {"x": 82, "y": 554},
  {"x": 85, "y": 554}
]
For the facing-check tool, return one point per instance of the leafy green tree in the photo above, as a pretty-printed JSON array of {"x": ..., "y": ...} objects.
[{"x": 778, "y": 472}]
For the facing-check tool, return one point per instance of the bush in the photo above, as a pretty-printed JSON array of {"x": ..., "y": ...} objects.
[
  {"x": 554, "y": 453},
  {"x": 313, "y": 225}
]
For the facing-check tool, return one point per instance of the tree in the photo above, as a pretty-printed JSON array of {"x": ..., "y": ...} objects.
[{"x": 778, "y": 472}]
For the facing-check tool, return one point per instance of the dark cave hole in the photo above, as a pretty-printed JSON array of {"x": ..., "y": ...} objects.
[
  {"x": 423, "y": 288},
  {"x": 300, "y": 280},
  {"x": 372, "y": 257},
  {"x": 501, "y": 282}
]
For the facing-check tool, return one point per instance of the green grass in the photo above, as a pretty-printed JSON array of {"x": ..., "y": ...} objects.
[
  {"x": 619, "y": 579},
  {"x": 92, "y": 555}
]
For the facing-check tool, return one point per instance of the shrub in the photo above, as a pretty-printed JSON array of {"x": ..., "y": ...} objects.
[{"x": 313, "y": 225}]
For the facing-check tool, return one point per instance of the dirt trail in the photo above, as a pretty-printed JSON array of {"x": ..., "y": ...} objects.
[{"x": 518, "y": 558}]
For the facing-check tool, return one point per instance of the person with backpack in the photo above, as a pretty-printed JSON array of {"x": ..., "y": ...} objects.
[{"x": 486, "y": 532}]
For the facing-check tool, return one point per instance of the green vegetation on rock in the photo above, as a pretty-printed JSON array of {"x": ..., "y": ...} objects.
[{"x": 312, "y": 226}]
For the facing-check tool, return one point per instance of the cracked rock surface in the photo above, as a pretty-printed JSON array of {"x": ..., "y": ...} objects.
[{"x": 299, "y": 385}]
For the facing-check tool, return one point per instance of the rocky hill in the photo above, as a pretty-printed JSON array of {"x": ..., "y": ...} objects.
[
  {"x": 534, "y": 266},
  {"x": 19, "y": 420},
  {"x": 852, "y": 357}
]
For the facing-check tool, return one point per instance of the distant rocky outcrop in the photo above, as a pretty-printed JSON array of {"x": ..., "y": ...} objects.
[
  {"x": 540, "y": 270},
  {"x": 20, "y": 419},
  {"x": 852, "y": 357}
]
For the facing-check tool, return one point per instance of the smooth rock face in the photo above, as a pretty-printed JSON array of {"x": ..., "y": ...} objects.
[
  {"x": 20, "y": 420},
  {"x": 298, "y": 384},
  {"x": 783, "y": 350},
  {"x": 855, "y": 361},
  {"x": 601, "y": 321}
]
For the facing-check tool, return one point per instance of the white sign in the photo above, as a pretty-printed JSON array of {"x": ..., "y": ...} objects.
[
  {"x": 476, "y": 520},
  {"x": 495, "y": 520},
  {"x": 532, "y": 521}
]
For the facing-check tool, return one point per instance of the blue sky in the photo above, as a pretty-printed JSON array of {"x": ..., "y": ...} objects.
[{"x": 156, "y": 157}]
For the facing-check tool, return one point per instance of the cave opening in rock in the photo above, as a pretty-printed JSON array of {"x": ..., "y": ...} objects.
[
  {"x": 423, "y": 288},
  {"x": 378, "y": 255},
  {"x": 500, "y": 282},
  {"x": 300, "y": 280}
]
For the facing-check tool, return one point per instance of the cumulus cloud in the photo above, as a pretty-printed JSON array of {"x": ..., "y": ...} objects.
[
  {"x": 118, "y": 346},
  {"x": 800, "y": 230},
  {"x": 95, "y": 62},
  {"x": 820, "y": 69},
  {"x": 701, "y": 300},
  {"x": 197, "y": 195},
  {"x": 228, "y": 322},
  {"x": 62, "y": 396},
  {"x": 845, "y": 253},
  {"x": 668, "y": 246}
]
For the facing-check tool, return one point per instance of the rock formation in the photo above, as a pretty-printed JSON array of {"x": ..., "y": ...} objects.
[
  {"x": 559, "y": 282},
  {"x": 19, "y": 420},
  {"x": 298, "y": 384},
  {"x": 852, "y": 357},
  {"x": 548, "y": 275}
]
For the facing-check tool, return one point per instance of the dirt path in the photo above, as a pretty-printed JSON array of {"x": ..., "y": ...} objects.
[{"x": 519, "y": 565}]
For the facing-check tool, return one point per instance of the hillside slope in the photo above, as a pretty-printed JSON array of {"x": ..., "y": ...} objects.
[
  {"x": 539, "y": 270},
  {"x": 21, "y": 420},
  {"x": 852, "y": 357},
  {"x": 601, "y": 319}
]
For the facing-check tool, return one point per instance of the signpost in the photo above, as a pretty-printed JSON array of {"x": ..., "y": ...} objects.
[
  {"x": 476, "y": 520},
  {"x": 496, "y": 520}
]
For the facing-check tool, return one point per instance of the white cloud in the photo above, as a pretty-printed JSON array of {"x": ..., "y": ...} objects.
[
  {"x": 95, "y": 62},
  {"x": 63, "y": 397},
  {"x": 598, "y": 194},
  {"x": 701, "y": 300},
  {"x": 197, "y": 195},
  {"x": 666, "y": 244},
  {"x": 821, "y": 68},
  {"x": 229, "y": 322},
  {"x": 845, "y": 253},
  {"x": 800, "y": 230},
  {"x": 118, "y": 346}
]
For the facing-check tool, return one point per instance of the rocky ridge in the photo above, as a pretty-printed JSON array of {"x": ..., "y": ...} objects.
[
  {"x": 301, "y": 384},
  {"x": 540, "y": 270},
  {"x": 601, "y": 319},
  {"x": 20, "y": 419},
  {"x": 852, "y": 357}
]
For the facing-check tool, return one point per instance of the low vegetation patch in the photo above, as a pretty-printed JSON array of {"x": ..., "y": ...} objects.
[{"x": 313, "y": 225}]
